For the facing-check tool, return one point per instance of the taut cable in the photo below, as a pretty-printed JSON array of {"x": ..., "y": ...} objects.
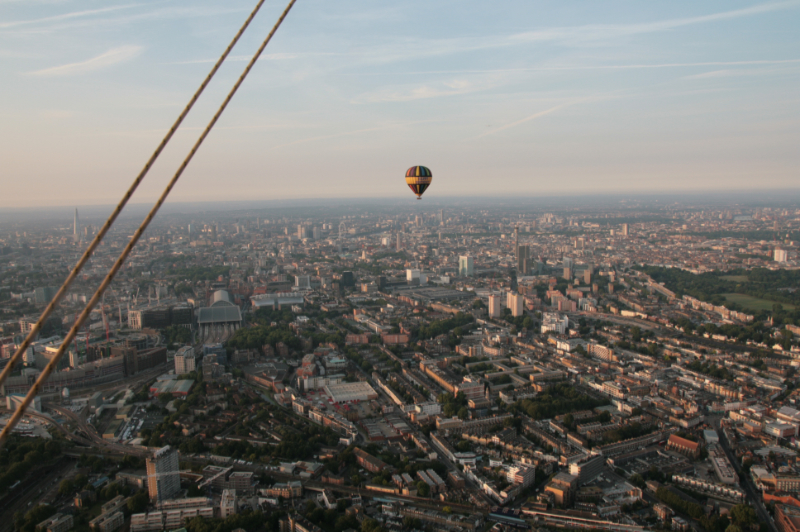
[
  {"x": 134, "y": 239},
  {"x": 111, "y": 219}
]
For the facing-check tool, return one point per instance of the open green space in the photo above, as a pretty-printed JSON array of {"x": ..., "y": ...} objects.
[
  {"x": 753, "y": 303},
  {"x": 735, "y": 278},
  {"x": 756, "y": 290}
]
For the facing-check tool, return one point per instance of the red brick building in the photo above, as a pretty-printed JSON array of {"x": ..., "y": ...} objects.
[
  {"x": 683, "y": 446},
  {"x": 787, "y": 518},
  {"x": 369, "y": 462}
]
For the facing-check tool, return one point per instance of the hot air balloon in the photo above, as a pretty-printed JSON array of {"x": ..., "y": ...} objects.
[{"x": 419, "y": 179}]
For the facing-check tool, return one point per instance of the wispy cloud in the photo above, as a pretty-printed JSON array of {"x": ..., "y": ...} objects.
[
  {"x": 245, "y": 58},
  {"x": 408, "y": 49},
  {"x": 405, "y": 93},
  {"x": 404, "y": 73},
  {"x": 87, "y": 19},
  {"x": 735, "y": 73},
  {"x": 595, "y": 32},
  {"x": 65, "y": 16},
  {"x": 109, "y": 58},
  {"x": 349, "y": 133},
  {"x": 529, "y": 118}
]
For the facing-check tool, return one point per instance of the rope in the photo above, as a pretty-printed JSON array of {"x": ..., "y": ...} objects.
[
  {"x": 111, "y": 219},
  {"x": 134, "y": 239}
]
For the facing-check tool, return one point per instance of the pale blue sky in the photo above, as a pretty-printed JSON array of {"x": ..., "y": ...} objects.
[{"x": 517, "y": 97}]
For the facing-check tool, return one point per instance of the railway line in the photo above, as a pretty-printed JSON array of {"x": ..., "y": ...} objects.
[
  {"x": 95, "y": 439},
  {"x": 38, "y": 485}
]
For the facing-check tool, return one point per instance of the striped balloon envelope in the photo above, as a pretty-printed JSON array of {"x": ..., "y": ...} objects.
[{"x": 419, "y": 179}]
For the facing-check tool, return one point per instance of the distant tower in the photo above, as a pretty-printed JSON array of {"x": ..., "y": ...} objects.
[
  {"x": 522, "y": 255},
  {"x": 76, "y": 230},
  {"x": 466, "y": 267}
]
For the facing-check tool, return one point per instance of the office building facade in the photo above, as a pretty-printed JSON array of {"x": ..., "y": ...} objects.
[{"x": 466, "y": 266}]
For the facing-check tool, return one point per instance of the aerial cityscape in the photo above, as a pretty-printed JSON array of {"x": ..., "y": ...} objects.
[
  {"x": 467, "y": 366},
  {"x": 298, "y": 266}
]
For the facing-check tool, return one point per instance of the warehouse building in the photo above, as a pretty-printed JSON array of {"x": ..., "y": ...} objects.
[
  {"x": 347, "y": 392},
  {"x": 178, "y": 388}
]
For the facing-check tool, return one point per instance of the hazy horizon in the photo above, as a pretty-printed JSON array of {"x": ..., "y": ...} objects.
[{"x": 680, "y": 200}]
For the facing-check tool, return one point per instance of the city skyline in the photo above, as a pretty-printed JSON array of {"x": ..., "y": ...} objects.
[{"x": 543, "y": 98}]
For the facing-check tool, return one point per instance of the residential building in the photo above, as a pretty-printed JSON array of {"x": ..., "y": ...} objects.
[
  {"x": 228, "y": 504},
  {"x": 516, "y": 303},
  {"x": 56, "y": 523},
  {"x": 494, "y": 306},
  {"x": 554, "y": 322},
  {"x": 185, "y": 360},
  {"x": 163, "y": 475},
  {"x": 369, "y": 462},
  {"x": 108, "y": 522},
  {"x": 588, "y": 469},
  {"x": 787, "y": 518}
]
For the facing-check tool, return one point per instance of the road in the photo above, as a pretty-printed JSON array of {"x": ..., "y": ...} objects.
[{"x": 747, "y": 484}]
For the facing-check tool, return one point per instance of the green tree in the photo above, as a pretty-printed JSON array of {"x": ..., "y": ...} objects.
[
  {"x": 138, "y": 503},
  {"x": 743, "y": 515},
  {"x": 371, "y": 525},
  {"x": 80, "y": 481},
  {"x": 65, "y": 487},
  {"x": 175, "y": 334},
  {"x": 344, "y": 522},
  {"x": 637, "y": 480},
  {"x": 412, "y": 522},
  {"x": 34, "y": 517}
]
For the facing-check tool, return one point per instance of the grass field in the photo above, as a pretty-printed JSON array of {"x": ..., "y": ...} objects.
[
  {"x": 735, "y": 278},
  {"x": 754, "y": 303}
]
